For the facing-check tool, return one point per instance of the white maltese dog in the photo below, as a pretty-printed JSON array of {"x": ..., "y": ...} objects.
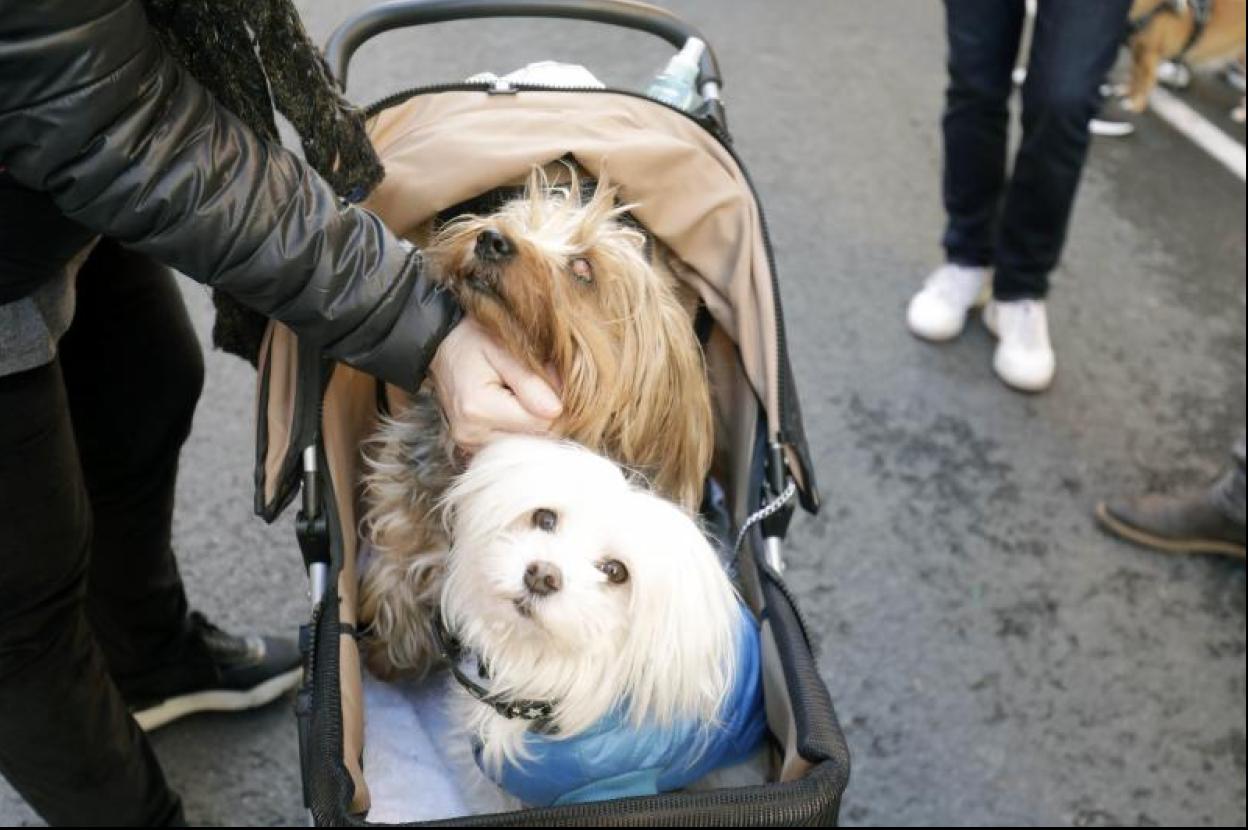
[{"x": 599, "y": 647}]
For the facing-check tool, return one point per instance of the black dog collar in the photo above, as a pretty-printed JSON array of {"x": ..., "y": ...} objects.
[{"x": 538, "y": 711}]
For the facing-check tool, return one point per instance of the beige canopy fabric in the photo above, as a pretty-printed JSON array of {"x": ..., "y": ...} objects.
[
  {"x": 441, "y": 150},
  {"x": 444, "y": 149}
]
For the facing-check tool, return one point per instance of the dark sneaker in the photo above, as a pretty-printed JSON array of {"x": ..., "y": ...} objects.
[
  {"x": 1113, "y": 121},
  {"x": 1233, "y": 75},
  {"x": 1176, "y": 524},
  {"x": 251, "y": 672}
]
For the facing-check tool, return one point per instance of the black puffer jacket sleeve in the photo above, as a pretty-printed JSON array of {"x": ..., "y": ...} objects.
[{"x": 94, "y": 113}]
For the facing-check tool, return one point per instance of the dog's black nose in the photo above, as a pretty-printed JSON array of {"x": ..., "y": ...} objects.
[
  {"x": 492, "y": 246},
  {"x": 542, "y": 578}
]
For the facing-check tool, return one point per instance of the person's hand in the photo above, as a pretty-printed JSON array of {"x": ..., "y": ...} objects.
[{"x": 485, "y": 392}]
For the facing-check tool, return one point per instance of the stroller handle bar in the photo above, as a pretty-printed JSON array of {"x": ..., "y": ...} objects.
[{"x": 397, "y": 14}]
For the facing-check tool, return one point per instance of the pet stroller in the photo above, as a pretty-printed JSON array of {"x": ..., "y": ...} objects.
[{"x": 446, "y": 148}]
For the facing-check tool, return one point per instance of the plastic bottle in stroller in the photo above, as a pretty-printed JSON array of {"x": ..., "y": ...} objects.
[{"x": 676, "y": 84}]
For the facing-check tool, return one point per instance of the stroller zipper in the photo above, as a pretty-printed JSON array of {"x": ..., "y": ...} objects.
[{"x": 782, "y": 369}]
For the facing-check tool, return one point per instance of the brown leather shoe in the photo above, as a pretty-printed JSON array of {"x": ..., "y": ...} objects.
[{"x": 1176, "y": 524}]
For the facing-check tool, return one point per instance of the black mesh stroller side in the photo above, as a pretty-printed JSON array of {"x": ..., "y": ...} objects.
[{"x": 767, "y": 469}]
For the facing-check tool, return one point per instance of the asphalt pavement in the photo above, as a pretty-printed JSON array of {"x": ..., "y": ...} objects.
[{"x": 994, "y": 658}]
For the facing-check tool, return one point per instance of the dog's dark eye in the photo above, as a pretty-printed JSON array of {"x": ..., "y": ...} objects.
[
  {"x": 616, "y": 573},
  {"x": 544, "y": 519},
  {"x": 583, "y": 270}
]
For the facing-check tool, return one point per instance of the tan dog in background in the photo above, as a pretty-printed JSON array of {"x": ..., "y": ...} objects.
[
  {"x": 1167, "y": 33},
  {"x": 564, "y": 284}
]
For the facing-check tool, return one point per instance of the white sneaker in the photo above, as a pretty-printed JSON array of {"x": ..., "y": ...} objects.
[
  {"x": 938, "y": 311},
  {"x": 1024, "y": 358},
  {"x": 1174, "y": 74}
]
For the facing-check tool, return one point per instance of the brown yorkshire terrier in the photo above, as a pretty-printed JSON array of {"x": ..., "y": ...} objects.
[{"x": 562, "y": 283}]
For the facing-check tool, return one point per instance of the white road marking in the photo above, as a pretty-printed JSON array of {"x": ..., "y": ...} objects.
[{"x": 1199, "y": 130}]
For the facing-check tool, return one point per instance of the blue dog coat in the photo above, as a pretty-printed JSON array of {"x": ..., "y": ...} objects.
[{"x": 615, "y": 759}]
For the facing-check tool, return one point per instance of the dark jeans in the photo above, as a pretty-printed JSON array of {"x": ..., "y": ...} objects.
[
  {"x": 91, "y": 603},
  {"x": 1019, "y": 226}
]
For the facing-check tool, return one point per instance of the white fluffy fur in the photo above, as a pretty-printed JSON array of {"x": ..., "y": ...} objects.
[{"x": 664, "y": 641}]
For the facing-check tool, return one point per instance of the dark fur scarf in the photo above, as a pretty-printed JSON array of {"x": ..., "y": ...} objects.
[{"x": 255, "y": 57}]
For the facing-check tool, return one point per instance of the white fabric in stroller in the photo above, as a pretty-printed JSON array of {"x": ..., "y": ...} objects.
[{"x": 406, "y": 736}]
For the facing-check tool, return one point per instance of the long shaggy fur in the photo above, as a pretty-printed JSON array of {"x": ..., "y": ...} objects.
[
  {"x": 410, "y": 464},
  {"x": 662, "y": 643},
  {"x": 579, "y": 296}
]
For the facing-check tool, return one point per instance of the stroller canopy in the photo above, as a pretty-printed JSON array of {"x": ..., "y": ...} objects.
[{"x": 689, "y": 191}]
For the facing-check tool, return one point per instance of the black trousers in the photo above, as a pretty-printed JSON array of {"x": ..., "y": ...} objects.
[
  {"x": 1018, "y": 225},
  {"x": 91, "y": 603}
]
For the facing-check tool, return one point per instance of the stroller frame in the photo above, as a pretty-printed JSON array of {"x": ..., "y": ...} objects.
[{"x": 813, "y": 742}]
